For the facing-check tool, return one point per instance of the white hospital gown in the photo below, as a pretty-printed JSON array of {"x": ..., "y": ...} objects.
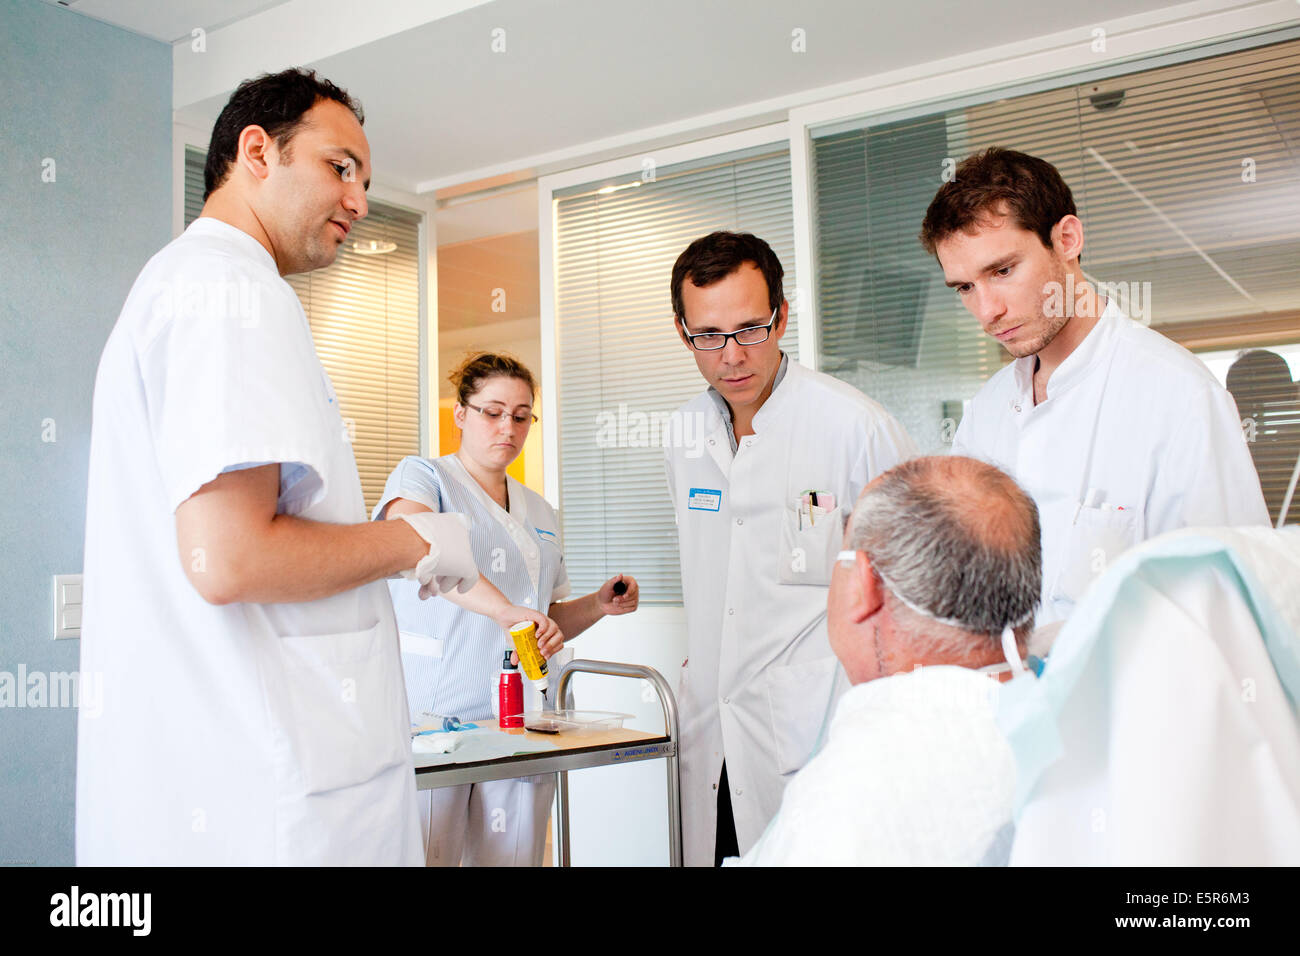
[{"x": 914, "y": 772}]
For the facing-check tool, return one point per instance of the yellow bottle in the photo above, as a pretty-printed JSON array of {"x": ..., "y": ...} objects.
[{"x": 524, "y": 634}]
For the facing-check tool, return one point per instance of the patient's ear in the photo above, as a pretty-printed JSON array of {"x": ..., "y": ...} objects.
[{"x": 867, "y": 596}]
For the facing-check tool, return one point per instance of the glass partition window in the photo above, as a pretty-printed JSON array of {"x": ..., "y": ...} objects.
[{"x": 1187, "y": 179}]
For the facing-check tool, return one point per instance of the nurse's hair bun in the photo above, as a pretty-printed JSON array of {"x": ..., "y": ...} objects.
[{"x": 478, "y": 367}]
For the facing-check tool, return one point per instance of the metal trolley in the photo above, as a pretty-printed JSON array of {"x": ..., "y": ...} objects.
[{"x": 631, "y": 748}]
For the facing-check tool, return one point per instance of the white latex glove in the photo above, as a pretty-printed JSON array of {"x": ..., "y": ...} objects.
[{"x": 450, "y": 561}]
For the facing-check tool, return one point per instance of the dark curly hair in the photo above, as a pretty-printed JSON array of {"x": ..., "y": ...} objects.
[
  {"x": 1026, "y": 187},
  {"x": 274, "y": 101}
]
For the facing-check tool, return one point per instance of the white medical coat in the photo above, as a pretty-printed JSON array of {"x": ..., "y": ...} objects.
[
  {"x": 1135, "y": 438},
  {"x": 243, "y": 733},
  {"x": 760, "y": 677},
  {"x": 914, "y": 772}
]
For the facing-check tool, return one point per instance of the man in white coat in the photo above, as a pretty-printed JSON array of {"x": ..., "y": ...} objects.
[
  {"x": 254, "y": 710},
  {"x": 1118, "y": 433},
  {"x": 760, "y": 511}
]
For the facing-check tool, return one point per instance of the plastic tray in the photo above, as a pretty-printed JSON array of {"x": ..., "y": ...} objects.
[{"x": 572, "y": 721}]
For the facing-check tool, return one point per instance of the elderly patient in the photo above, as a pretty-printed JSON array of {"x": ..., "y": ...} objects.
[{"x": 927, "y": 612}]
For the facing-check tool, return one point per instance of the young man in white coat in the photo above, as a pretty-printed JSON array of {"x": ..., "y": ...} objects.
[
  {"x": 1118, "y": 433},
  {"x": 760, "y": 505},
  {"x": 254, "y": 709}
]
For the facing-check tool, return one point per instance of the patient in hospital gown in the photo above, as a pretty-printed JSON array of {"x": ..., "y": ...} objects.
[{"x": 928, "y": 612}]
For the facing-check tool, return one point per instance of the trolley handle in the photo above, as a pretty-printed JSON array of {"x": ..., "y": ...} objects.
[{"x": 564, "y": 690}]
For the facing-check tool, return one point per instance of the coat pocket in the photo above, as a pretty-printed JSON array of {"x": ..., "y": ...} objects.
[
  {"x": 1097, "y": 537},
  {"x": 343, "y": 723},
  {"x": 799, "y": 698},
  {"x": 807, "y": 551}
]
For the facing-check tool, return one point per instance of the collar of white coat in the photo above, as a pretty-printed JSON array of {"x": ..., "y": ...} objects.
[
  {"x": 785, "y": 386},
  {"x": 1080, "y": 363},
  {"x": 724, "y": 410},
  {"x": 787, "y": 372},
  {"x": 515, "y": 521},
  {"x": 207, "y": 225}
]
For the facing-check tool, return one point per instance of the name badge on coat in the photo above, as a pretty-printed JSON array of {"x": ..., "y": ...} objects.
[{"x": 704, "y": 499}]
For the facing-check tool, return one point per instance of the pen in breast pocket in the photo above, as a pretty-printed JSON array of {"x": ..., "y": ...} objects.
[{"x": 816, "y": 502}]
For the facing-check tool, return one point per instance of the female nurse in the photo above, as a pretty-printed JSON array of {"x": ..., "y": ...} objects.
[{"x": 452, "y": 647}]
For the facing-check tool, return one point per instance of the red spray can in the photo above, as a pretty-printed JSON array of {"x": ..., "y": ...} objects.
[{"x": 510, "y": 695}]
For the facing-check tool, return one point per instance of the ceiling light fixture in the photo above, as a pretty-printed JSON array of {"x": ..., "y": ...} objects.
[
  {"x": 372, "y": 247},
  {"x": 606, "y": 190}
]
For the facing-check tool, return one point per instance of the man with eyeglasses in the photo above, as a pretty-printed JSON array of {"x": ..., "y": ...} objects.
[{"x": 760, "y": 518}]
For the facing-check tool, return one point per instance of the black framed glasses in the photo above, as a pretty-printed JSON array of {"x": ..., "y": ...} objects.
[
  {"x": 494, "y": 415},
  {"x": 712, "y": 341}
]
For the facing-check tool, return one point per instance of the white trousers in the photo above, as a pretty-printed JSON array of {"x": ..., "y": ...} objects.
[{"x": 496, "y": 823}]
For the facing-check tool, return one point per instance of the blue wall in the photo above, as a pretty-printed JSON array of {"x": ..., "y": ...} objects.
[{"x": 97, "y": 100}]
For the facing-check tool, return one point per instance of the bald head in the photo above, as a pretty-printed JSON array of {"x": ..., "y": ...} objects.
[{"x": 955, "y": 537}]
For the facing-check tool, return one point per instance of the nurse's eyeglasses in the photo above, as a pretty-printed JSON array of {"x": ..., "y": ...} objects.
[
  {"x": 494, "y": 415},
  {"x": 712, "y": 341}
]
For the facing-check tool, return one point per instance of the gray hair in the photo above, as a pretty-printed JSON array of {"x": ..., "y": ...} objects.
[{"x": 955, "y": 538}]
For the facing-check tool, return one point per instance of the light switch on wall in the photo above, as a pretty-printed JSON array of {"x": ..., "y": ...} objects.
[{"x": 67, "y": 606}]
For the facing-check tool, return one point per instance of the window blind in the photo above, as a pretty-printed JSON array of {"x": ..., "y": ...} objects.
[
  {"x": 622, "y": 368},
  {"x": 1187, "y": 180},
  {"x": 364, "y": 314},
  {"x": 889, "y": 325}
]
